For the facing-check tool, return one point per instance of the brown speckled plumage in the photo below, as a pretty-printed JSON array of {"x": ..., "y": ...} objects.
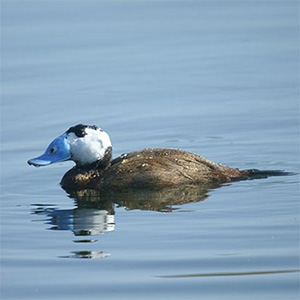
[
  {"x": 146, "y": 170},
  {"x": 152, "y": 168}
]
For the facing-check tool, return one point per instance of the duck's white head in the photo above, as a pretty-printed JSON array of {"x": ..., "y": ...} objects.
[{"x": 84, "y": 144}]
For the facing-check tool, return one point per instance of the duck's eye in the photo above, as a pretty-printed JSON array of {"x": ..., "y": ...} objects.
[{"x": 52, "y": 150}]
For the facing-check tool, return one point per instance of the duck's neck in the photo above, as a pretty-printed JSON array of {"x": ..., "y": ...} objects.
[{"x": 100, "y": 164}]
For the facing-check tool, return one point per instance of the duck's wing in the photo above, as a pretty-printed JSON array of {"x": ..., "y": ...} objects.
[{"x": 159, "y": 167}]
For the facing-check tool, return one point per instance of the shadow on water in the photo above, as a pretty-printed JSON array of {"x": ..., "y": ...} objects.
[{"x": 94, "y": 212}]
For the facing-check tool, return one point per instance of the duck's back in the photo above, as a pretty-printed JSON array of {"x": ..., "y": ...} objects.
[{"x": 157, "y": 168}]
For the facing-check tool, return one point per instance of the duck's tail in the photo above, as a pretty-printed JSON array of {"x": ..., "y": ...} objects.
[{"x": 259, "y": 174}]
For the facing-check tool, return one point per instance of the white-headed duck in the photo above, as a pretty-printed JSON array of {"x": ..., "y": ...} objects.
[{"x": 91, "y": 149}]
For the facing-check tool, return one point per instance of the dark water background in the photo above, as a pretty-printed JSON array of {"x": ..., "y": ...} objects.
[{"x": 218, "y": 78}]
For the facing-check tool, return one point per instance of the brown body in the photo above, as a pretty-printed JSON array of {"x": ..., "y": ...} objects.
[{"x": 152, "y": 169}]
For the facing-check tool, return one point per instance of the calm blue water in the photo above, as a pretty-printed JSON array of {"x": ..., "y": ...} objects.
[{"x": 218, "y": 78}]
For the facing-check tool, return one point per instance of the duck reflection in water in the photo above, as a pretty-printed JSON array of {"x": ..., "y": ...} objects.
[
  {"x": 94, "y": 212},
  {"x": 86, "y": 220}
]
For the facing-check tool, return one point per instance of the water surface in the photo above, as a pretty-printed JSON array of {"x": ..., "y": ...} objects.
[{"x": 218, "y": 78}]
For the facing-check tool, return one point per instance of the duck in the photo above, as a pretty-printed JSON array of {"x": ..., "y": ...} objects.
[{"x": 90, "y": 148}]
